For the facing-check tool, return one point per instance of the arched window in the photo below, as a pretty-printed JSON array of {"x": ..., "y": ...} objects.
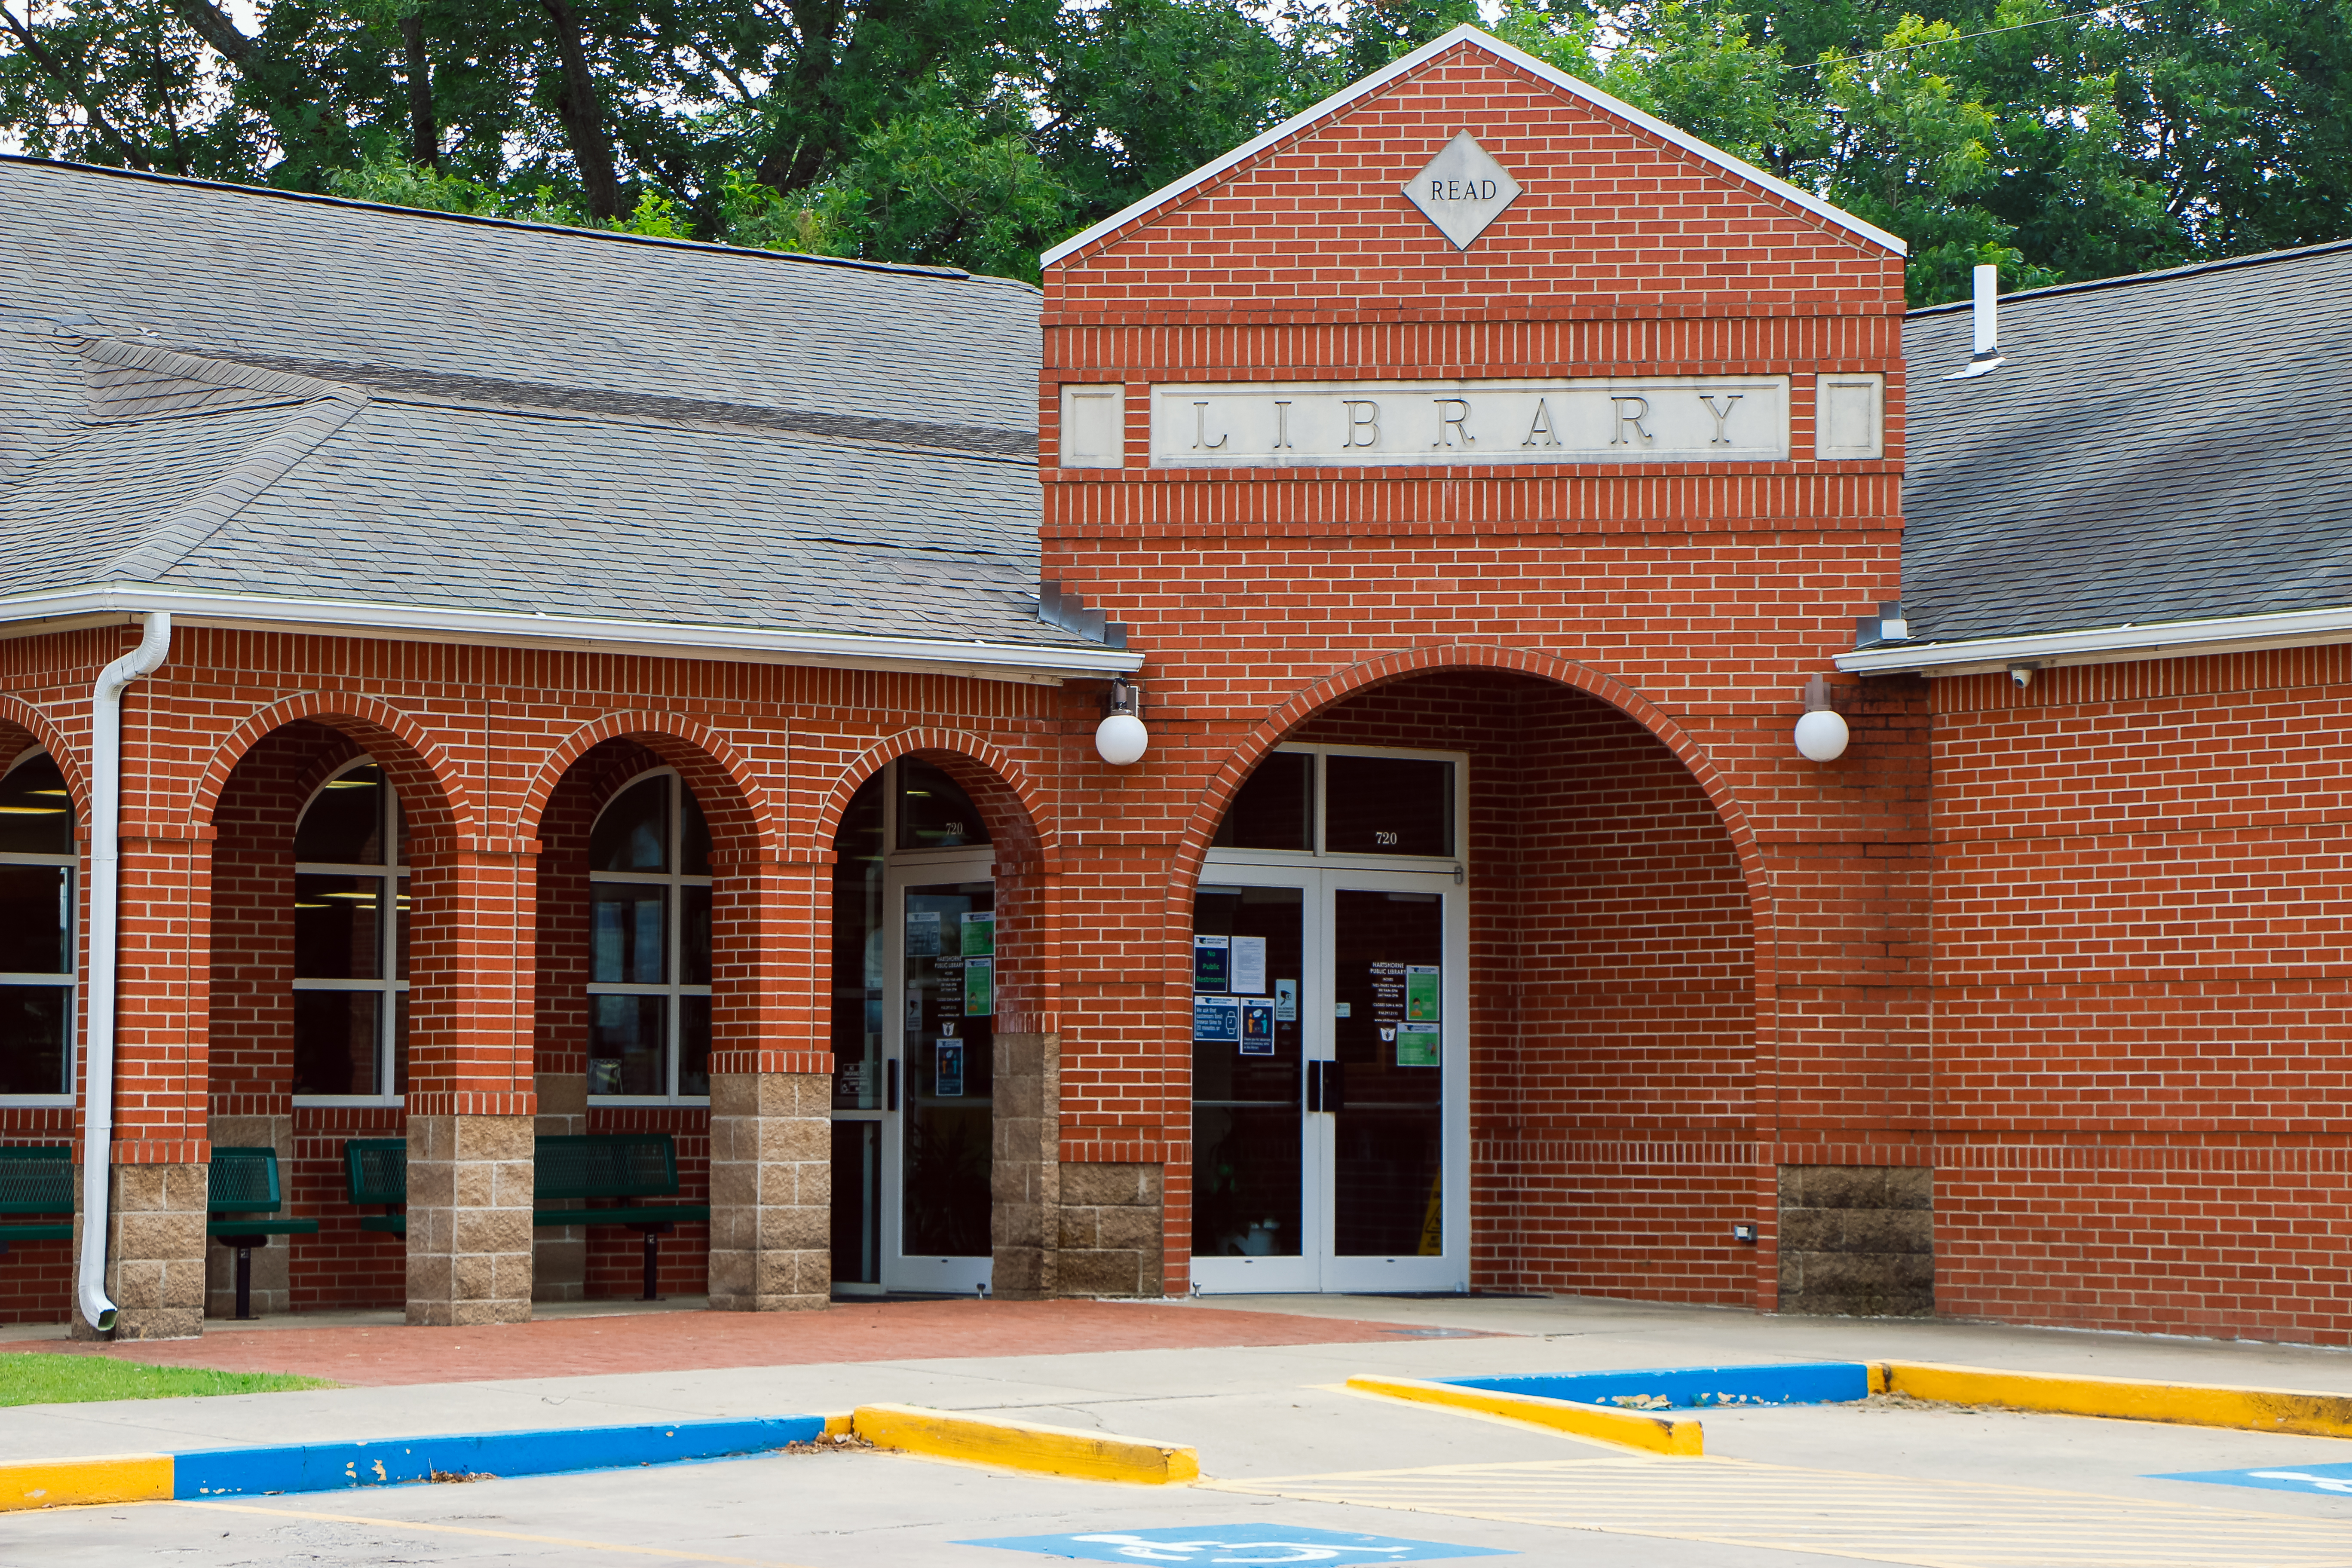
[
  {"x": 37, "y": 929},
  {"x": 649, "y": 943},
  {"x": 351, "y": 940}
]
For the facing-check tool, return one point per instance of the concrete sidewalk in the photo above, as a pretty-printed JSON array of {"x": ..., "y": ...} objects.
[
  {"x": 925, "y": 1353},
  {"x": 1280, "y": 1441}
]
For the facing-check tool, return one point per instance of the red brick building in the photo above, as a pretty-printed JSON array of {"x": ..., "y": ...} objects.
[{"x": 620, "y": 689}]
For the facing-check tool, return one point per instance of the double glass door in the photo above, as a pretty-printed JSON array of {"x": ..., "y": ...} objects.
[
  {"x": 1330, "y": 1121},
  {"x": 914, "y": 1016}
]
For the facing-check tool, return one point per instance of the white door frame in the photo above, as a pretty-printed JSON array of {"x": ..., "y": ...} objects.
[
  {"x": 902, "y": 870},
  {"x": 1322, "y": 876}
]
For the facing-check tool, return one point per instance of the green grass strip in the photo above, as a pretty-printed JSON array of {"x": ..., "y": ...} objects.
[{"x": 44, "y": 1377}]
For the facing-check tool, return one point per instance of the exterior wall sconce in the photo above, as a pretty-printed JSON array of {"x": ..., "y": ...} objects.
[
  {"x": 1822, "y": 734},
  {"x": 1121, "y": 738}
]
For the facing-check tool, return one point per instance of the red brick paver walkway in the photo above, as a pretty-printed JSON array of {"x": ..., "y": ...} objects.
[{"x": 391, "y": 1354}]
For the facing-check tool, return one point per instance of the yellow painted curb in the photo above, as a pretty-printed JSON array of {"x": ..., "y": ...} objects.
[
  {"x": 834, "y": 1425},
  {"x": 1630, "y": 1428},
  {"x": 2125, "y": 1398},
  {"x": 64, "y": 1483},
  {"x": 1025, "y": 1445}
]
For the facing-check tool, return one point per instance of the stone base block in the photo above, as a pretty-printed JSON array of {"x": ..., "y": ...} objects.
[
  {"x": 1024, "y": 1169},
  {"x": 559, "y": 1257},
  {"x": 1858, "y": 1241},
  {"x": 1109, "y": 1231},
  {"x": 469, "y": 1242},
  {"x": 155, "y": 1253},
  {"x": 770, "y": 1192}
]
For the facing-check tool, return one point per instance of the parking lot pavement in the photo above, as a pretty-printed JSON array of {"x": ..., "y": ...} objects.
[{"x": 1282, "y": 1445}]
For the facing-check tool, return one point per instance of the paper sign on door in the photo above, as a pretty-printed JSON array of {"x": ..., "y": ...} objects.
[
  {"x": 1421, "y": 992},
  {"x": 1258, "y": 1028}
]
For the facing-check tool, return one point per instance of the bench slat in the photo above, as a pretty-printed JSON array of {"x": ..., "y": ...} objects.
[
  {"x": 652, "y": 1214},
  {"x": 225, "y": 1228},
  {"x": 35, "y": 1178}
]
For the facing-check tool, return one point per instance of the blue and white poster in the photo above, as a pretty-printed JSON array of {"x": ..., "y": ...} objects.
[
  {"x": 1217, "y": 1019},
  {"x": 1218, "y": 1546},
  {"x": 1258, "y": 1028}
]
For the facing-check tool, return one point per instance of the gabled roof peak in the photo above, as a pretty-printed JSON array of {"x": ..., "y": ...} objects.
[{"x": 1405, "y": 66}]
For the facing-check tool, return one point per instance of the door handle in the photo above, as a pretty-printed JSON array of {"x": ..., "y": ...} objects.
[
  {"x": 890, "y": 1084},
  {"x": 1326, "y": 1087}
]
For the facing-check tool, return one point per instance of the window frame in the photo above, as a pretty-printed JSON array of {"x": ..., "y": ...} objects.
[
  {"x": 675, "y": 881},
  {"x": 68, "y": 980},
  {"x": 389, "y": 983},
  {"x": 1457, "y": 862}
]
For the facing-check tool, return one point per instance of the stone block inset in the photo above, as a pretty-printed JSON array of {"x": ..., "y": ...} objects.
[
  {"x": 469, "y": 1233},
  {"x": 770, "y": 1191},
  {"x": 1858, "y": 1240}
]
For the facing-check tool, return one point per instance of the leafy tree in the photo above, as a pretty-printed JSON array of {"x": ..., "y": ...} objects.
[{"x": 2055, "y": 142}]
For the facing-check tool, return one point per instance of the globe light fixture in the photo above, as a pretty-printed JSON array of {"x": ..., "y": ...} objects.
[
  {"x": 1121, "y": 738},
  {"x": 1822, "y": 734}
]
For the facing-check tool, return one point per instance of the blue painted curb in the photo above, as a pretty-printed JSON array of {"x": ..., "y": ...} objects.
[
  {"x": 386, "y": 1462},
  {"x": 1693, "y": 1387}
]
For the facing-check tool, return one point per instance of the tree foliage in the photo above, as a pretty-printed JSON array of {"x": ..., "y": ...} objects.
[{"x": 2060, "y": 143}]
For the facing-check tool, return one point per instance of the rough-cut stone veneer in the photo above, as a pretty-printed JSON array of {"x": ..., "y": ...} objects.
[
  {"x": 770, "y": 1191},
  {"x": 1858, "y": 1240},
  {"x": 559, "y": 1257},
  {"x": 271, "y": 1291},
  {"x": 1025, "y": 1182},
  {"x": 470, "y": 1188},
  {"x": 155, "y": 1252},
  {"x": 1109, "y": 1230}
]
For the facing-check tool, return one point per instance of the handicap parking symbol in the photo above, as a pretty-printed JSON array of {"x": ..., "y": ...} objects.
[
  {"x": 2317, "y": 1480},
  {"x": 1235, "y": 1544}
]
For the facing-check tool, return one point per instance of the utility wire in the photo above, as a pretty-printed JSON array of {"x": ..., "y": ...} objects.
[{"x": 1932, "y": 42}]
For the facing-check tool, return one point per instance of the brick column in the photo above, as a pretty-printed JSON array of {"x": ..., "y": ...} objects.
[
  {"x": 156, "y": 1224},
  {"x": 771, "y": 1085},
  {"x": 472, "y": 1099},
  {"x": 1025, "y": 1168}
]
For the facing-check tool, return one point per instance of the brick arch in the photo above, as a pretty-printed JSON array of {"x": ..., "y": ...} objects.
[
  {"x": 734, "y": 800},
  {"x": 17, "y": 712},
  {"x": 1403, "y": 664},
  {"x": 414, "y": 762},
  {"x": 1008, "y": 797}
]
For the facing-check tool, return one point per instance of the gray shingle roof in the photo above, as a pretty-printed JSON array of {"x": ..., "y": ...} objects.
[
  {"x": 220, "y": 390},
  {"x": 2161, "y": 447}
]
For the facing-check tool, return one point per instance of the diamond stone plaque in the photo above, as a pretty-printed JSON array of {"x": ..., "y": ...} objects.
[{"x": 1462, "y": 189}]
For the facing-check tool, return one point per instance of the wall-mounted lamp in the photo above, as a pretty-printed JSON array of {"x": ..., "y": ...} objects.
[
  {"x": 1822, "y": 734},
  {"x": 1121, "y": 737},
  {"x": 1744, "y": 1234}
]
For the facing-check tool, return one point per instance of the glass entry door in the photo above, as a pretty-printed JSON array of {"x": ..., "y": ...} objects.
[
  {"x": 914, "y": 1010},
  {"x": 1330, "y": 1123},
  {"x": 939, "y": 1071}
]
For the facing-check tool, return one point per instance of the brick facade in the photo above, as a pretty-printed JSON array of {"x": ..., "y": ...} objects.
[{"x": 2063, "y": 964}]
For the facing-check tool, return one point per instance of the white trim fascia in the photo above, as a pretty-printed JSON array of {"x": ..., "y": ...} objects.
[
  {"x": 33, "y": 614},
  {"x": 1511, "y": 55},
  {"x": 2107, "y": 645}
]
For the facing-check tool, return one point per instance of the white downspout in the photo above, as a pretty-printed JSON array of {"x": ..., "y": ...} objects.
[{"x": 97, "y": 1000}]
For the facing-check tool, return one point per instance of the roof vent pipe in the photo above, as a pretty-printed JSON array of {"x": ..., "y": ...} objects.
[
  {"x": 1985, "y": 343},
  {"x": 98, "y": 1006}
]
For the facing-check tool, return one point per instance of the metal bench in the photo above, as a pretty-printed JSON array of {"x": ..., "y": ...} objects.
[
  {"x": 598, "y": 1167},
  {"x": 243, "y": 1196},
  {"x": 36, "y": 1179}
]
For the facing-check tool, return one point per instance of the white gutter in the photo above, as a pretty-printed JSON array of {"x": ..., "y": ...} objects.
[
  {"x": 97, "y": 1000},
  {"x": 2105, "y": 645},
  {"x": 1037, "y": 663}
]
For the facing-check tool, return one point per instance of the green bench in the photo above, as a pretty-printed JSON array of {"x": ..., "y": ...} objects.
[
  {"x": 243, "y": 1195},
  {"x": 600, "y": 1167},
  {"x": 36, "y": 1179}
]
